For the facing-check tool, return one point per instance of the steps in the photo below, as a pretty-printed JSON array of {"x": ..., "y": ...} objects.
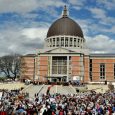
[
  {"x": 62, "y": 89},
  {"x": 42, "y": 89},
  {"x": 32, "y": 89}
]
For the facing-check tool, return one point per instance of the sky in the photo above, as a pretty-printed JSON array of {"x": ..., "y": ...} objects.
[{"x": 24, "y": 23}]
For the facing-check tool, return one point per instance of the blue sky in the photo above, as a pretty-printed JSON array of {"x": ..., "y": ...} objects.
[{"x": 24, "y": 23}]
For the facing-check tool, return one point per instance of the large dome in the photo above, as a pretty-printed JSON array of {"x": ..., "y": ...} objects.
[{"x": 65, "y": 26}]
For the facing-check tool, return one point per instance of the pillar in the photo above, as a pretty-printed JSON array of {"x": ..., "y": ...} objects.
[
  {"x": 67, "y": 68},
  {"x": 50, "y": 66},
  {"x": 72, "y": 42}
]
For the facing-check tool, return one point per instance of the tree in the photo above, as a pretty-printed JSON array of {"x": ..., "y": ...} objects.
[
  {"x": 4, "y": 65},
  {"x": 10, "y": 65}
]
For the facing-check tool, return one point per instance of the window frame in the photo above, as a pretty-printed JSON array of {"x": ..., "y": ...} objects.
[{"x": 102, "y": 71}]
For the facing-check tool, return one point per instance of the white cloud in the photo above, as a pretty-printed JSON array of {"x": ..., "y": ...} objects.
[
  {"x": 25, "y": 6},
  {"x": 34, "y": 33},
  {"x": 109, "y": 30},
  {"x": 26, "y": 40},
  {"x": 21, "y": 40},
  {"x": 101, "y": 43},
  {"x": 108, "y": 4},
  {"x": 76, "y": 2},
  {"x": 98, "y": 13},
  {"x": 108, "y": 21},
  {"x": 102, "y": 16},
  {"x": 18, "y": 6}
]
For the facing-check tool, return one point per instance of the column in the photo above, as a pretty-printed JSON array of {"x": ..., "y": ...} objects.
[
  {"x": 54, "y": 42},
  {"x": 51, "y": 42},
  {"x": 38, "y": 66},
  {"x": 67, "y": 68},
  {"x": 73, "y": 42},
  {"x": 80, "y": 43},
  {"x": 64, "y": 41},
  {"x": 83, "y": 43},
  {"x": 77, "y": 42},
  {"x": 34, "y": 74},
  {"x": 59, "y": 41},
  {"x": 68, "y": 42},
  {"x": 82, "y": 67},
  {"x": 50, "y": 66}
]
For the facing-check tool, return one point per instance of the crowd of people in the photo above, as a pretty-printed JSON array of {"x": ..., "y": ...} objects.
[{"x": 89, "y": 103}]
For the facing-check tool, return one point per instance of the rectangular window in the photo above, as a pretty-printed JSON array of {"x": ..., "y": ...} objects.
[
  {"x": 102, "y": 71},
  {"x": 66, "y": 42},
  {"x": 54, "y": 69},
  {"x": 78, "y": 42},
  {"x": 70, "y": 42},
  {"x": 74, "y": 42},
  {"x": 59, "y": 65},
  {"x": 57, "y": 42},
  {"x": 90, "y": 69},
  {"x": 53, "y": 42}
]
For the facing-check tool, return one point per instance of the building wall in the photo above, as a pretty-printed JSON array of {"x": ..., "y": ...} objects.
[
  {"x": 109, "y": 68},
  {"x": 27, "y": 67},
  {"x": 43, "y": 68},
  {"x": 86, "y": 69},
  {"x": 75, "y": 65}
]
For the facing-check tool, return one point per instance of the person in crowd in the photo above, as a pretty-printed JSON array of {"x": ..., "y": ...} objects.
[{"x": 88, "y": 103}]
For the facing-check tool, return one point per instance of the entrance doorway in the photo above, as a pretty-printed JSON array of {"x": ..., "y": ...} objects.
[
  {"x": 59, "y": 65},
  {"x": 56, "y": 79},
  {"x": 64, "y": 78}
]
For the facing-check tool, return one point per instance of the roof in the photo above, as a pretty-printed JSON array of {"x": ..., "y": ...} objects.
[
  {"x": 65, "y": 26},
  {"x": 29, "y": 55},
  {"x": 103, "y": 55}
]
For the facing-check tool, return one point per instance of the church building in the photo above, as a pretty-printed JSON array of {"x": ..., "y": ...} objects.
[{"x": 65, "y": 57}]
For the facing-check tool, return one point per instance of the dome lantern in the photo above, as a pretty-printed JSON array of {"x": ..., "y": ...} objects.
[{"x": 65, "y": 12}]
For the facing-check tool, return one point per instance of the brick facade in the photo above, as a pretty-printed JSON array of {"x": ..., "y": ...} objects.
[{"x": 91, "y": 68}]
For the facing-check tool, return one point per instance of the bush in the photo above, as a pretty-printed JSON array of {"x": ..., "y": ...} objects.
[{"x": 111, "y": 87}]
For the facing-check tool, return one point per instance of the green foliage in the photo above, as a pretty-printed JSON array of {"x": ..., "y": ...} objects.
[
  {"x": 111, "y": 87},
  {"x": 2, "y": 78}
]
